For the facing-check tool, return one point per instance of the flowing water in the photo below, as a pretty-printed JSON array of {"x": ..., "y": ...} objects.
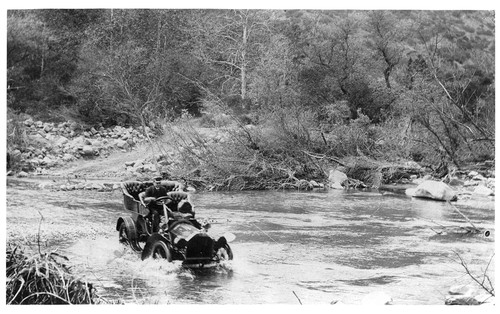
[{"x": 290, "y": 247}]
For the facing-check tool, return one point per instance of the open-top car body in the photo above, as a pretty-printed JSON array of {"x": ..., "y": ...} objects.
[{"x": 179, "y": 237}]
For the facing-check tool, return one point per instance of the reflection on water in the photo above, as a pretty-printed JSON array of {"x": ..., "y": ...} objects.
[{"x": 318, "y": 246}]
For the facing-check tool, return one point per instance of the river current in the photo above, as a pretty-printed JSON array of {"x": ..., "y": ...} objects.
[{"x": 291, "y": 247}]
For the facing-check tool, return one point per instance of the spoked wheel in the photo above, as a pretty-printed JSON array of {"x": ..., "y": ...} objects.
[
  {"x": 225, "y": 253},
  {"x": 157, "y": 247},
  {"x": 127, "y": 234}
]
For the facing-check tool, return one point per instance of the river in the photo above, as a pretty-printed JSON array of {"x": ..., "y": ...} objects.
[{"x": 290, "y": 247}]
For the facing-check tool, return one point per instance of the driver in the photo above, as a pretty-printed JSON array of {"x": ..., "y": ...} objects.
[{"x": 150, "y": 195}]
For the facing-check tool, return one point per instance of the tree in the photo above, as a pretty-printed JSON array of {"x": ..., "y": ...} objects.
[
  {"x": 387, "y": 35},
  {"x": 230, "y": 41}
]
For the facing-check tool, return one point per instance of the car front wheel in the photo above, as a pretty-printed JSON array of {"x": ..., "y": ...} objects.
[{"x": 157, "y": 247}]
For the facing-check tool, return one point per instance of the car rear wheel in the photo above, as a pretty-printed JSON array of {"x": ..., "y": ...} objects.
[
  {"x": 127, "y": 234},
  {"x": 157, "y": 247}
]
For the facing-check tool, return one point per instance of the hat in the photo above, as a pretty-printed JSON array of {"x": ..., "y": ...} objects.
[{"x": 157, "y": 179}]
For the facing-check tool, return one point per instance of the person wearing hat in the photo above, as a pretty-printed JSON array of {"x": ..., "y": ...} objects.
[{"x": 149, "y": 196}]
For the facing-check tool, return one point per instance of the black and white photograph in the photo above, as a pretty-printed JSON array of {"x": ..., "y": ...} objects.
[{"x": 222, "y": 154}]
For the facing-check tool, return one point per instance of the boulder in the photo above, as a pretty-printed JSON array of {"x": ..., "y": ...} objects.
[
  {"x": 435, "y": 190},
  {"x": 336, "y": 178}
]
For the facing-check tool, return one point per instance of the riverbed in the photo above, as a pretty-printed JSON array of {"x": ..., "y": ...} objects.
[{"x": 291, "y": 247}]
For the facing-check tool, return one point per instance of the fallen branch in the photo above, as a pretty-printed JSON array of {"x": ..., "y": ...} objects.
[{"x": 458, "y": 211}]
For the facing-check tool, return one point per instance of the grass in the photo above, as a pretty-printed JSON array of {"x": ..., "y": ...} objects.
[{"x": 43, "y": 278}]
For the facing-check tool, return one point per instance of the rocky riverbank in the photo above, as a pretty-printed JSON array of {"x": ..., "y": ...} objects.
[{"x": 51, "y": 145}]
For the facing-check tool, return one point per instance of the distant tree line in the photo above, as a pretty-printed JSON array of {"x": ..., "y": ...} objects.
[{"x": 426, "y": 75}]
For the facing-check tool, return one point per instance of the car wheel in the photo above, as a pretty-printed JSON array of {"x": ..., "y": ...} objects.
[
  {"x": 225, "y": 253},
  {"x": 127, "y": 234},
  {"x": 157, "y": 247}
]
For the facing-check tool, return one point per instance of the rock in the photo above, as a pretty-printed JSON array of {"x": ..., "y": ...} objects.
[
  {"x": 61, "y": 141},
  {"x": 427, "y": 177},
  {"x": 314, "y": 184},
  {"x": 74, "y": 126},
  {"x": 412, "y": 165},
  {"x": 473, "y": 174},
  {"x": 455, "y": 182},
  {"x": 410, "y": 192},
  {"x": 121, "y": 144},
  {"x": 28, "y": 122},
  {"x": 482, "y": 190},
  {"x": 336, "y": 178},
  {"x": 149, "y": 167},
  {"x": 377, "y": 298},
  {"x": 129, "y": 163},
  {"x": 22, "y": 174},
  {"x": 87, "y": 150},
  {"x": 478, "y": 177},
  {"x": 435, "y": 190},
  {"x": 49, "y": 162},
  {"x": 68, "y": 157},
  {"x": 471, "y": 183},
  {"x": 460, "y": 300}
]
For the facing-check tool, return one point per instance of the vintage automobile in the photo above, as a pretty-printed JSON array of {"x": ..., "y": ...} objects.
[{"x": 180, "y": 237}]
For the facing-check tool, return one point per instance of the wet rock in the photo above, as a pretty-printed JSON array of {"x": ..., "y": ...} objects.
[
  {"x": 336, "y": 178},
  {"x": 129, "y": 163},
  {"x": 377, "y": 298},
  {"x": 22, "y": 174},
  {"x": 435, "y": 190},
  {"x": 460, "y": 300}
]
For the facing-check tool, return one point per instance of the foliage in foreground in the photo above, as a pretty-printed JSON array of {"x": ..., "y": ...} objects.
[{"x": 43, "y": 279}]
